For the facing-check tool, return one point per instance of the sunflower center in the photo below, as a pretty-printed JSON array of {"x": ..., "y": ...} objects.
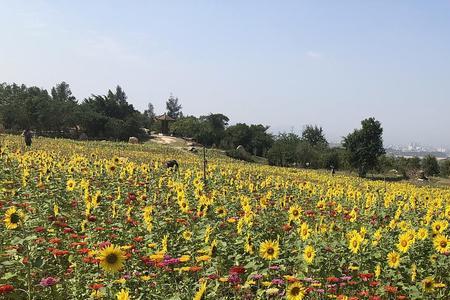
[
  {"x": 295, "y": 213},
  {"x": 428, "y": 284},
  {"x": 404, "y": 243},
  {"x": 438, "y": 227},
  {"x": 295, "y": 291},
  {"x": 112, "y": 258},
  {"x": 15, "y": 218},
  {"x": 443, "y": 244},
  {"x": 355, "y": 243},
  {"x": 270, "y": 251}
]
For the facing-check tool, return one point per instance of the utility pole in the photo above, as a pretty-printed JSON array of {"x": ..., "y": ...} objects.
[{"x": 204, "y": 165}]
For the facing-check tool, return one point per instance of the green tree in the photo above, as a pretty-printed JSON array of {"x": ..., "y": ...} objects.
[
  {"x": 61, "y": 92},
  {"x": 365, "y": 146},
  {"x": 111, "y": 116},
  {"x": 332, "y": 158},
  {"x": 284, "y": 149},
  {"x": 314, "y": 136},
  {"x": 430, "y": 165},
  {"x": 261, "y": 141},
  {"x": 236, "y": 135},
  {"x": 188, "y": 126},
  {"x": 150, "y": 115},
  {"x": 307, "y": 155},
  {"x": 214, "y": 130},
  {"x": 62, "y": 108},
  {"x": 444, "y": 168},
  {"x": 173, "y": 108}
]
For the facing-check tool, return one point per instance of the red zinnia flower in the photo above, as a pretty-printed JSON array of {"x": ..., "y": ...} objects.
[
  {"x": 39, "y": 229},
  {"x": 97, "y": 286},
  {"x": 237, "y": 270},
  {"x": 390, "y": 289},
  {"x": 374, "y": 283},
  {"x": 57, "y": 252},
  {"x": 333, "y": 279},
  {"x": 6, "y": 288}
]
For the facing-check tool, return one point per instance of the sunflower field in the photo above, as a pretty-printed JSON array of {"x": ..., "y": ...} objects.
[{"x": 101, "y": 220}]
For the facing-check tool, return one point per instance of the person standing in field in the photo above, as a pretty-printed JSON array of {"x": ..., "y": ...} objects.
[{"x": 27, "y": 137}]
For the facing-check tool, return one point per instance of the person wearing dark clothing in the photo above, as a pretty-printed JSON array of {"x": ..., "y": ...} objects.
[
  {"x": 333, "y": 171},
  {"x": 27, "y": 136},
  {"x": 172, "y": 164}
]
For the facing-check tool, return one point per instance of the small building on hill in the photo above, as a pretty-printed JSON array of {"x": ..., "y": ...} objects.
[{"x": 164, "y": 120}]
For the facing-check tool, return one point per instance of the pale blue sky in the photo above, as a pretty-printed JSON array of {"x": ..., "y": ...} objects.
[{"x": 280, "y": 63}]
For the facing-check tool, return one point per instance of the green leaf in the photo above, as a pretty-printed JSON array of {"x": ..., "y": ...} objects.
[
  {"x": 8, "y": 275},
  {"x": 38, "y": 262}
]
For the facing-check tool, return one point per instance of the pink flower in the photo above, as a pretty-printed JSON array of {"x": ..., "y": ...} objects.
[
  {"x": 277, "y": 281},
  {"x": 49, "y": 281},
  {"x": 257, "y": 276}
]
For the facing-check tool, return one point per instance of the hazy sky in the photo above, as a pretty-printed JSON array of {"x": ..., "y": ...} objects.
[{"x": 279, "y": 63}]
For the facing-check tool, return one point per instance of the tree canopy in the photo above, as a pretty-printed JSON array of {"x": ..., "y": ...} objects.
[
  {"x": 173, "y": 108},
  {"x": 314, "y": 136},
  {"x": 365, "y": 146}
]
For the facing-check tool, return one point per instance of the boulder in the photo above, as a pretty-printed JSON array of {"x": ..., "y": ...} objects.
[
  {"x": 241, "y": 149},
  {"x": 83, "y": 137},
  {"x": 133, "y": 140},
  {"x": 421, "y": 176}
]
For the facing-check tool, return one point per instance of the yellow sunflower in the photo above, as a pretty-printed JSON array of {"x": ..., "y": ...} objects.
[
  {"x": 248, "y": 247},
  {"x": 13, "y": 218},
  {"x": 147, "y": 214},
  {"x": 187, "y": 235},
  {"x": 70, "y": 185},
  {"x": 184, "y": 205},
  {"x": 304, "y": 231},
  {"x": 200, "y": 293},
  {"x": 377, "y": 271},
  {"x": 269, "y": 250},
  {"x": 441, "y": 243},
  {"x": 447, "y": 212},
  {"x": 422, "y": 234},
  {"x": 413, "y": 272},
  {"x": 295, "y": 291},
  {"x": 295, "y": 213},
  {"x": 308, "y": 255},
  {"x": 428, "y": 284},
  {"x": 221, "y": 212},
  {"x": 393, "y": 259},
  {"x": 203, "y": 258},
  {"x": 403, "y": 243},
  {"x": 439, "y": 226},
  {"x": 123, "y": 295},
  {"x": 111, "y": 259},
  {"x": 355, "y": 243}
]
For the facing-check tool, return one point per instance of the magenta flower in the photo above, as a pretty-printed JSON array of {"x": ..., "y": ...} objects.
[
  {"x": 257, "y": 276},
  {"x": 49, "y": 281},
  {"x": 277, "y": 281},
  {"x": 234, "y": 279}
]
